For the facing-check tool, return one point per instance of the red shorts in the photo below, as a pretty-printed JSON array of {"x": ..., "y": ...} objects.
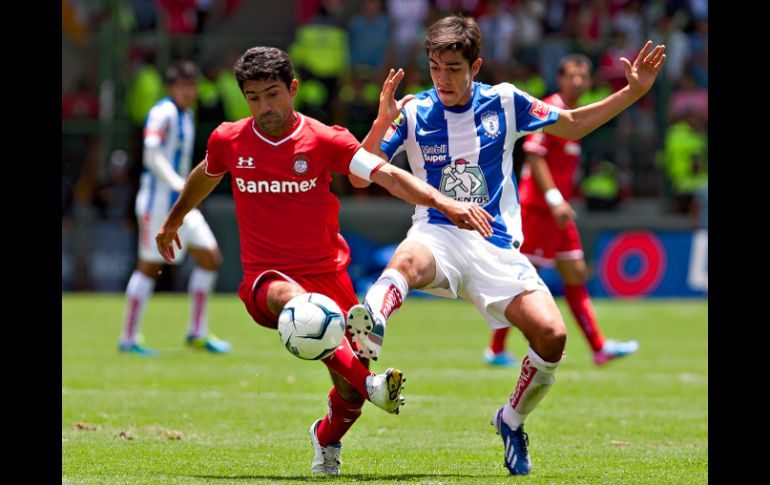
[
  {"x": 545, "y": 242},
  {"x": 336, "y": 286}
]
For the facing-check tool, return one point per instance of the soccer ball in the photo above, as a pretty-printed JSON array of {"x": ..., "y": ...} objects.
[{"x": 311, "y": 326}]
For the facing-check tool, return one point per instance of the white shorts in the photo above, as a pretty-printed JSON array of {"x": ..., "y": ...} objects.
[
  {"x": 473, "y": 269},
  {"x": 194, "y": 232}
]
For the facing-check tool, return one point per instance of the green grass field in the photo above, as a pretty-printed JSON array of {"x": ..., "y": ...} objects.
[{"x": 189, "y": 417}]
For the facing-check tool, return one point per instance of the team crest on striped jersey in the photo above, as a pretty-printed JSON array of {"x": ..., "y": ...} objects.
[
  {"x": 491, "y": 123},
  {"x": 300, "y": 165}
]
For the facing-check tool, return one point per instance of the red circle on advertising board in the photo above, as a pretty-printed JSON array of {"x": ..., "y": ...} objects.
[{"x": 612, "y": 267}]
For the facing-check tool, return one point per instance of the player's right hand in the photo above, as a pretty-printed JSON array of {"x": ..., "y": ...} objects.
[
  {"x": 165, "y": 240},
  {"x": 467, "y": 215},
  {"x": 389, "y": 108}
]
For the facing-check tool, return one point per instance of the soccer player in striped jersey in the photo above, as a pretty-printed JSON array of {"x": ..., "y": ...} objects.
[
  {"x": 169, "y": 134},
  {"x": 280, "y": 162},
  {"x": 459, "y": 137},
  {"x": 552, "y": 238}
]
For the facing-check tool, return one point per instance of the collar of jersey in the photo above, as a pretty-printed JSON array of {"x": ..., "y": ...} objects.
[
  {"x": 297, "y": 126},
  {"x": 456, "y": 109}
]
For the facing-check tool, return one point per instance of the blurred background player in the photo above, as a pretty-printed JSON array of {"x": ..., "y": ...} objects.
[
  {"x": 460, "y": 119},
  {"x": 168, "y": 149},
  {"x": 548, "y": 221},
  {"x": 280, "y": 162}
]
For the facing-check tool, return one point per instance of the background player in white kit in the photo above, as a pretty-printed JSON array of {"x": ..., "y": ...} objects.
[
  {"x": 169, "y": 136},
  {"x": 477, "y": 123}
]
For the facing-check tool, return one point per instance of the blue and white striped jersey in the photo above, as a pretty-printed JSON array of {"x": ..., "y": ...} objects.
[
  {"x": 466, "y": 152},
  {"x": 173, "y": 132}
]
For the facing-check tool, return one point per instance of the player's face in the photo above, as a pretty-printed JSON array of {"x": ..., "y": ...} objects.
[
  {"x": 575, "y": 81},
  {"x": 184, "y": 92},
  {"x": 271, "y": 103},
  {"x": 452, "y": 76}
]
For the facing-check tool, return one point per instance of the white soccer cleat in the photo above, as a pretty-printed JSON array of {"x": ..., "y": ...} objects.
[
  {"x": 385, "y": 390},
  {"x": 326, "y": 460},
  {"x": 366, "y": 331}
]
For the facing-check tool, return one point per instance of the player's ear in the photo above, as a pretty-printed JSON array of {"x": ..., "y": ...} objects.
[
  {"x": 293, "y": 88},
  {"x": 476, "y": 67}
]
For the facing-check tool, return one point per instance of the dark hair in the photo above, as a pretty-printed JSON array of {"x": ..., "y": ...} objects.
[
  {"x": 579, "y": 59},
  {"x": 181, "y": 69},
  {"x": 259, "y": 63},
  {"x": 454, "y": 33}
]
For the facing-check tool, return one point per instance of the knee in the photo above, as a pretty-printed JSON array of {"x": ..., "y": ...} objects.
[
  {"x": 278, "y": 295},
  {"x": 349, "y": 393},
  {"x": 215, "y": 260},
  {"x": 553, "y": 339},
  {"x": 403, "y": 262},
  {"x": 209, "y": 260}
]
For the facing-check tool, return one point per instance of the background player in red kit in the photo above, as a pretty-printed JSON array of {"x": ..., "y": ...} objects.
[
  {"x": 551, "y": 237},
  {"x": 280, "y": 162}
]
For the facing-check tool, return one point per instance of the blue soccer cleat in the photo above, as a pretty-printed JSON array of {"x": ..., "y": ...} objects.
[
  {"x": 516, "y": 442},
  {"x": 613, "y": 349},
  {"x": 366, "y": 331},
  {"x": 137, "y": 349},
  {"x": 210, "y": 342},
  {"x": 501, "y": 359}
]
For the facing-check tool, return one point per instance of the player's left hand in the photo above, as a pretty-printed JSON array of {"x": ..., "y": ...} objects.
[
  {"x": 389, "y": 108},
  {"x": 642, "y": 73},
  {"x": 563, "y": 213},
  {"x": 467, "y": 215}
]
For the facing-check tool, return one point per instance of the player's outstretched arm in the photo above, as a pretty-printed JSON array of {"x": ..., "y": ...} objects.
[
  {"x": 409, "y": 188},
  {"x": 198, "y": 186},
  {"x": 576, "y": 123},
  {"x": 388, "y": 110}
]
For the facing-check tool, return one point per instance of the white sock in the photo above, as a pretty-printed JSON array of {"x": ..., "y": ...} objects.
[
  {"x": 386, "y": 294},
  {"x": 535, "y": 380},
  {"x": 199, "y": 287},
  {"x": 138, "y": 291}
]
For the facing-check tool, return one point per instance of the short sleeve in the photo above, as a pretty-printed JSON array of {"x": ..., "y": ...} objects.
[
  {"x": 532, "y": 114},
  {"x": 215, "y": 160},
  {"x": 395, "y": 136},
  {"x": 343, "y": 146},
  {"x": 156, "y": 126},
  {"x": 536, "y": 143}
]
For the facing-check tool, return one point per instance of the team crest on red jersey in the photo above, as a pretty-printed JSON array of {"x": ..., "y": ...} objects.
[
  {"x": 539, "y": 109},
  {"x": 300, "y": 165}
]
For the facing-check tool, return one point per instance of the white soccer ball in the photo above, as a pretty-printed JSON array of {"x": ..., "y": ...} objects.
[{"x": 311, "y": 326}]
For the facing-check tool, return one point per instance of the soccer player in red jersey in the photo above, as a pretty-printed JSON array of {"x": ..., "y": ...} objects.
[
  {"x": 280, "y": 162},
  {"x": 551, "y": 236}
]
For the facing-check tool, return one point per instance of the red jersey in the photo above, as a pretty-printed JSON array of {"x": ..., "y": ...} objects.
[
  {"x": 562, "y": 156},
  {"x": 287, "y": 216}
]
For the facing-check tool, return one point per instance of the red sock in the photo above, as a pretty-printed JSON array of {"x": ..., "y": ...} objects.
[
  {"x": 580, "y": 304},
  {"x": 497, "y": 344},
  {"x": 341, "y": 416},
  {"x": 345, "y": 363}
]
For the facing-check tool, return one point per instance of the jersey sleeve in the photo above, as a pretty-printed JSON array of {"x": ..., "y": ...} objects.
[
  {"x": 395, "y": 136},
  {"x": 532, "y": 114},
  {"x": 343, "y": 147},
  {"x": 536, "y": 143},
  {"x": 215, "y": 160},
  {"x": 156, "y": 126}
]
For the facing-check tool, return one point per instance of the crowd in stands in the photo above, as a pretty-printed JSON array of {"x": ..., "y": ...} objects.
[{"x": 343, "y": 48}]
